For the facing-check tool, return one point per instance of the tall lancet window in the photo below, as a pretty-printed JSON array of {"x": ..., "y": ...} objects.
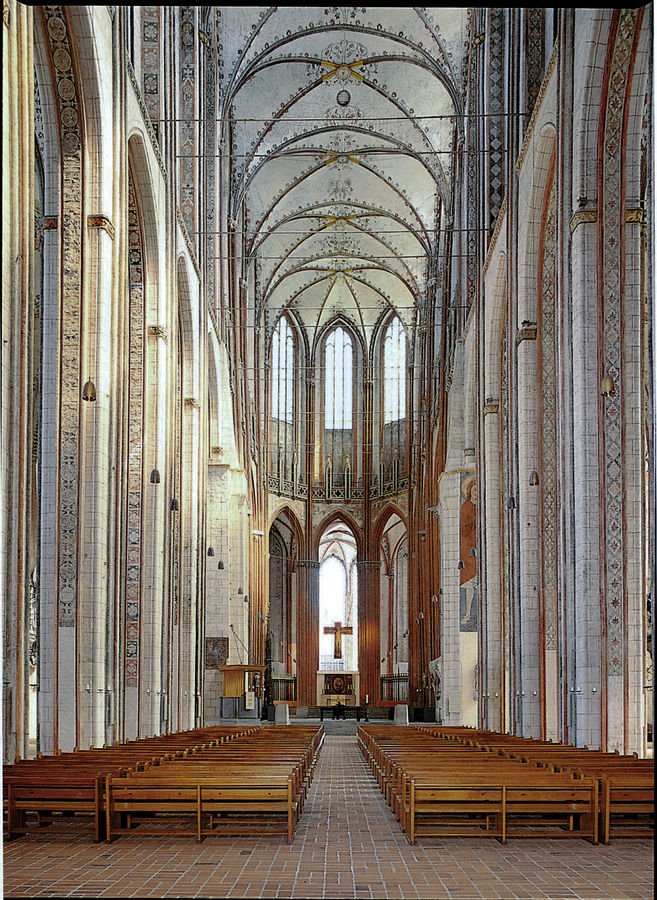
[
  {"x": 283, "y": 360},
  {"x": 338, "y": 403},
  {"x": 394, "y": 373},
  {"x": 393, "y": 401}
]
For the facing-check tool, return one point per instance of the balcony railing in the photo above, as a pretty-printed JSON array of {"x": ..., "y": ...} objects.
[{"x": 394, "y": 688}]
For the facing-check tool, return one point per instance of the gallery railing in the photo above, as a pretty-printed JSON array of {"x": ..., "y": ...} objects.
[
  {"x": 284, "y": 688},
  {"x": 394, "y": 688}
]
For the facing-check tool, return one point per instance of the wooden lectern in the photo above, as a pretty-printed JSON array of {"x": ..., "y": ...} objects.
[{"x": 234, "y": 678}]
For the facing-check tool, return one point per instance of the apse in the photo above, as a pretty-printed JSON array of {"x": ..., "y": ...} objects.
[{"x": 338, "y": 601}]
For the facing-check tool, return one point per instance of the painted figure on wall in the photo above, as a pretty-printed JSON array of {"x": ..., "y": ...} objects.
[{"x": 469, "y": 582}]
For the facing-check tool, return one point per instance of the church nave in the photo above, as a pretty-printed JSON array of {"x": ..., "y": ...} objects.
[{"x": 348, "y": 844}]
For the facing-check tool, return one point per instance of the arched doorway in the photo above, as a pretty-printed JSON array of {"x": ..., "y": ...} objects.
[
  {"x": 281, "y": 640},
  {"x": 393, "y": 635},
  {"x": 338, "y": 614}
]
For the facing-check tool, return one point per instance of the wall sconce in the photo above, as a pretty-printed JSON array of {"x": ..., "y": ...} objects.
[
  {"x": 512, "y": 503},
  {"x": 89, "y": 391},
  {"x": 434, "y": 599},
  {"x": 461, "y": 564},
  {"x": 155, "y": 476},
  {"x": 533, "y": 479},
  {"x": 220, "y": 564},
  {"x": 240, "y": 591},
  {"x": 174, "y": 505},
  {"x": 608, "y": 387},
  {"x": 210, "y": 551},
  {"x": 440, "y": 592},
  {"x": 420, "y": 615},
  {"x": 473, "y": 552}
]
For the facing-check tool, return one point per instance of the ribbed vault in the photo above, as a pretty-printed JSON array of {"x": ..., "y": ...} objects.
[{"x": 342, "y": 123}]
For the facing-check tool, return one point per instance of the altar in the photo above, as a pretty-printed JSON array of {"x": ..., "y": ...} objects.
[{"x": 334, "y": 687}]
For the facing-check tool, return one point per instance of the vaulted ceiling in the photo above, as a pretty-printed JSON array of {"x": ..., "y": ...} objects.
[{"x": 342, "y": 123}]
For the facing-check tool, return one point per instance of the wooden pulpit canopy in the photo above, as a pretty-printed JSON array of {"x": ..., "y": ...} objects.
[{"x": 234, "y": 678}]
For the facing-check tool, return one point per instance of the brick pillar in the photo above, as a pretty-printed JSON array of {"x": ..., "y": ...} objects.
[
  {"x": 369, "y": 639},
  {"x": 307, "y": 631}
]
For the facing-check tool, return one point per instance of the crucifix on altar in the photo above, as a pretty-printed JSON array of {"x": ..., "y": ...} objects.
[{"x": 337, "y": 630}]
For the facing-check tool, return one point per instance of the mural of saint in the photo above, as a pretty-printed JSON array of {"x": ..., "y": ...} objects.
[{"x": 468, "y": 528}]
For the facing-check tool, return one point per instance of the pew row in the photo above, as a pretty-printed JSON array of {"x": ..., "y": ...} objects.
[
  {"x": 257, "y": 786},
  {"x": 53, "y": 788},
  {"x": 437, "y": 787},
  {"x": 625, "y": 783}
]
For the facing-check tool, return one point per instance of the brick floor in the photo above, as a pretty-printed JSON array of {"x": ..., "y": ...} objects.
[{"x": 347, "y": 844}]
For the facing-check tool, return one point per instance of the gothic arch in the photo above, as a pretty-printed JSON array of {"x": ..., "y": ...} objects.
[
  {"x": 390, "y": 509},
  {"x": 339, "y": 321},
  {"x": 334, "y": 518},
  {"x": 494, "y": 323},
  {"x": 187, "y": 301},
  {"x": 285, "y": 509}
]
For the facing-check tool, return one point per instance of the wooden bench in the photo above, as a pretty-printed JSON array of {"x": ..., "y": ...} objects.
[
  {"x": 73, "y": 783},
  {"x": 253, "y": 786},
  {"x": 439, "y": 787},
  {"x": 625, "y": 783}
]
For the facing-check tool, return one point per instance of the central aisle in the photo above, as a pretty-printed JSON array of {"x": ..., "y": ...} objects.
[{"x": 347, "y": 845}]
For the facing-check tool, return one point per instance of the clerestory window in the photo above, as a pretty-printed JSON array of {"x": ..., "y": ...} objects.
[
  {"x": 282, "y": 373},
  {"x": 338, "y": 399},
  {"x": 394, "y": 373}
]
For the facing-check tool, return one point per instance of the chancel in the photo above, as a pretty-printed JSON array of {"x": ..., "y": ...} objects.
[{"x": 328, "y": 377}]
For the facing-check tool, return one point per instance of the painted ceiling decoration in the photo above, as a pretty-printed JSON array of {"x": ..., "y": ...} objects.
[{"x": 342, "y": 124}]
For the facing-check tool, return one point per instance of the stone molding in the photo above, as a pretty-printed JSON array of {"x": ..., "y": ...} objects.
[
  {"x": 101, "y": 222},
  {"x": 158, "y": 331},
  {"x": 527, "y": 332},
  {"x": 496, "y": 232},
  {"x": 537, "y": 107},
  {"x": 584, "y": 215}
]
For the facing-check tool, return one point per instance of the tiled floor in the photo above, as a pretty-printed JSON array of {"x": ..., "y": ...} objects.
[{"x": 348, "y": 844}]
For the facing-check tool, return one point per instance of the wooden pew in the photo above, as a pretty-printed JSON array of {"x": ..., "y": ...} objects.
[
  {"x": 254, "y": 786},
  {"x": 73, "y": 783},
  {"x": 436, "y": 786},
  {"x": 625, "y": 783}
]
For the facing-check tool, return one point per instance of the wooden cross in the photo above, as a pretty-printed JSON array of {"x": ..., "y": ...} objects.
[{"x": 337, "y": 631}]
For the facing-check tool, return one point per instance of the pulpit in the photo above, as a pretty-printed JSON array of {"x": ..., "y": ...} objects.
[{"x": 238, "y": 702}]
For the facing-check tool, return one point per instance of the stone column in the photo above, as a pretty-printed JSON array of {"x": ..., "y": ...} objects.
[
  {"x": 493, "y": 621},
  {"x": 17, "y": 330},
  {"x": 529, "y": 673},
  {"x": 450, "y": 492}
]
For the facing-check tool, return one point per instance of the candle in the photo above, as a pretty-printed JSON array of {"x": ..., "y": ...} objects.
[{"x": 367, "y": 698}]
